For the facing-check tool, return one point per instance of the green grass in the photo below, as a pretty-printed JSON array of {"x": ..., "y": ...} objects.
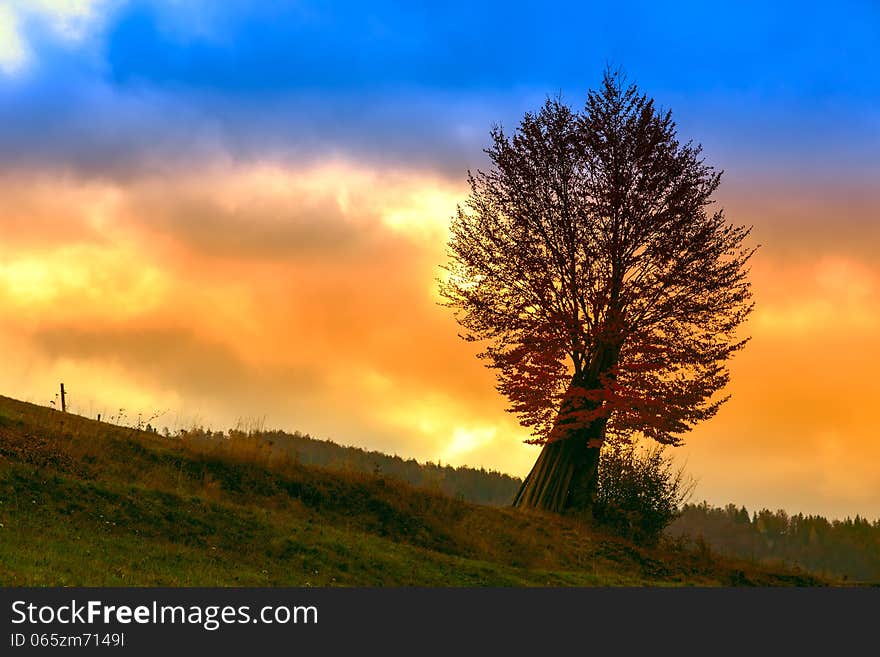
[{"x": 87, "y": 503}]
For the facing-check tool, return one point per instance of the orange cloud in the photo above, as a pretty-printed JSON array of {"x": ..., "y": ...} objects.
[{"x": 306, "y": 295}]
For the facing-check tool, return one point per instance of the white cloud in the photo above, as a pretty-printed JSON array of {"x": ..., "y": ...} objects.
[
  {"x": 13, "y": 50},
  {"x": 71, "y": 21}
]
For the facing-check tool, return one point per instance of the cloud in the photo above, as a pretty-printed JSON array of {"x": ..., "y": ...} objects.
[
  {"x": 28, "y": 27},
  {"x": 124, "y": 88},
  {"x": 268, "y": 210},
  {"x": 303, "y": 294},
  {"x": 73, "y": 20},
  {"x": 179, "y": 359},
  {"x": 831, "y": 294},
  {"x": 306, "y": 294},
  {"x": 13, "y": 50},
  {"x": 798, "y": 432}
]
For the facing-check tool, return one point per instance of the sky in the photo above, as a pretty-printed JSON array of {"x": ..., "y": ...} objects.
[{"x": 235, "y": 212}]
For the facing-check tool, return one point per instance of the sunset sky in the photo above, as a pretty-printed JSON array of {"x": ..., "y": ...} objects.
[{"x": 223, "y": 213}]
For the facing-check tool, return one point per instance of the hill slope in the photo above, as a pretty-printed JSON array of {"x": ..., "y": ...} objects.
[
  {"x": 89, "y": 503},
  {"x": 469, "y": 484}
]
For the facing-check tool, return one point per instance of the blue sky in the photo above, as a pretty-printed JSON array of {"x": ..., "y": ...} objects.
[{"x": 782, "y": 84}]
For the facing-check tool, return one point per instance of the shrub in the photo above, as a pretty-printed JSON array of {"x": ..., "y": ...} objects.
[{"x": 639, "y": 490}]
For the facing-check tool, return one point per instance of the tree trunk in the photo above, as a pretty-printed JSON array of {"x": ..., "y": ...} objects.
[{"x": 564, "y": 476}]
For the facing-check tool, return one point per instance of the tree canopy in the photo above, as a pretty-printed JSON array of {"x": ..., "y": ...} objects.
[{"x": 589, "y": 261}]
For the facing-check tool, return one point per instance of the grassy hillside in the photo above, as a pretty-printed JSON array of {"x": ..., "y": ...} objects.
[{"x": 89, "y": 503}]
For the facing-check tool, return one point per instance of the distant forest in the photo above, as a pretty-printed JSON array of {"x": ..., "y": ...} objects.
[
  {"x": 847, "y": 548},
  {"x": 468, "y": 484}
]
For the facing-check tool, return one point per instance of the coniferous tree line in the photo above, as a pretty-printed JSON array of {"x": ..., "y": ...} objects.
[{"x": 848, "y": 548}]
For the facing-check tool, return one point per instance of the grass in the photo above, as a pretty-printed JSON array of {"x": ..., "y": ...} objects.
[{"x": 87, "y": 503}]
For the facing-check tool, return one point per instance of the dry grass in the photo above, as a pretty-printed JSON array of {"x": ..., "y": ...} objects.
[{"x": 230, "y": 508}]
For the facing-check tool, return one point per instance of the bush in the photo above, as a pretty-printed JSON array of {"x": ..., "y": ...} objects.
[{"x": 639, "y": 490}]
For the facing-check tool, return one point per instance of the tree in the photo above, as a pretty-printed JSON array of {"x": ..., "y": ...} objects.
[
  {"x": 639, "y": 492},
  {"x": 606, "y": 293}
]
